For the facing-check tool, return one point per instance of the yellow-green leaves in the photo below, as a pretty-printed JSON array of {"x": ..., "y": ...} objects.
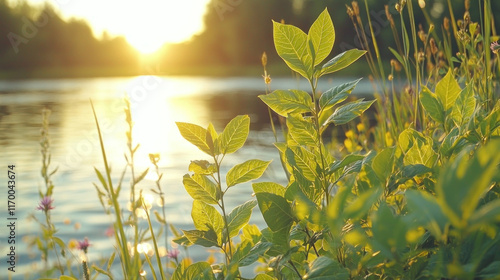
[
  {"x": 285, "y": 102},
  {"x": 303, "y": 52},
  {"x": 449, "y": 101},
  {"x": 292, "y": 46},
  {"x": 322, "y": 36},
  {"x": 324, "y": 268},
  {"x": 196, "y": 135},
  {"x": 301, "y": 130},
  {"x": 349, "y": 111},
  {"x": 465, "y": 181},
  {"x": 206, "y": 217},
  {"x": 341, "y": 61},
  {"x": 276, "y": 211},
  {"x": 464, "y": 106},
  {"x": 447, "y": 90},
  {"x": 336, "y": 95},
  {"x": 244, "y": 172},
  {"x": 432, "y": 105},
  {"x": 201, "y": 188},
  {"x": 234, "y": 135},
  {"x": 207, "y": 140},
  {"x": 239, "y": 217}
]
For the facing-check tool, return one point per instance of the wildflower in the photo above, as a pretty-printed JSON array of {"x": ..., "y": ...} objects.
[
  {"x": 434, "y": 48},
  {"x": 83, "y": 245},
  {"x": 350, "y": 12},
  {"x": 360, "y": 127},
  {"x": 267, "y": 78},
  {"x": 173, "y": 254},
  {"x": 421, "y": 3},
  {"x": 396, "y": 65},
  {"x": 45, "y": 204},
  {"x": 264, "y": 59},
  {"x": 495, "y": 47},
  {"x": 355, "y": 8},
  {"x": 110, "y": 231},
  {"x": 73, "y": 244},
  {"x": 446, "y": 23},
  {"x": 154, "y": 158}
]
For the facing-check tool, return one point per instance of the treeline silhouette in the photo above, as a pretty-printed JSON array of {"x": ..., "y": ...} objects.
[
  {"x": 33, "y": 39},
  {"x": 236, "y": 33}
]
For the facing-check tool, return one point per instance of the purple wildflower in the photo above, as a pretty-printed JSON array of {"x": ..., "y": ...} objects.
[
  {"x": 83, "y": 245},
  {"x": 495, "y": 47},
  {"x": 45, "y": 204},
  {"x": 172, "y": 254}
]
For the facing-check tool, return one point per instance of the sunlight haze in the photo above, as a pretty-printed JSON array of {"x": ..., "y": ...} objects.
[{"x": 146, "y": 24}]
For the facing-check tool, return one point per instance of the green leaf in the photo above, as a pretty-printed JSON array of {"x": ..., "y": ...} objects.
[
  {"x": 383, "y": 163},
  {"x": 240, "y": 217},
  {"x": 206, "y": 217},
  {"x": 285, "y": 102},
  {"x": 492, "y": 271},
  {"x": 486, "y": 215},
  {"x": 421, "y": 154},
  {"x": 264, "y": 277},
  {"x": 408, "y": 137},
  {"x": 201, "y": 188},
  {"x": 212, "y": 134},
  {"x": 322, "y": 36},
  {"x": 276, "y": 211},
  {"x": 336, "y": 95},
  {"x": 427, "y": 212},
  {"x": 432, "y": 105},
  {"x": 234, "y": 135},
  {"x": 410, "y": 171},
  {"x": 65, "y": 277},
  {"x": 464, "y": 106},
  {"x": 269, "y": 187},
  {"x": 179, "y": 271},
  {"x": 447, "y": 90},
  {"x": 302, "y": 160},
  {"x": 341, "y": 61},
  {"x": 362, "y": 204},
  {"x": 199, "y": 271},
  {"x": 349, "y": 111},
  {"x": 291, "y": 45},
  {"x": 324, "y": 268},
  {"x": 252, "y": 254},
  {"x": 244, "y": 172},
  {"x": 202, "y": 167},
  {"x": 387, "y": 228},
  {"x": 203, "y": 238},
  {"x": 347, "y": 160},
  {"x": 301, "y": 130},
  {"x": 464, "y": 182},
  {"x": 196, "y": 135}
]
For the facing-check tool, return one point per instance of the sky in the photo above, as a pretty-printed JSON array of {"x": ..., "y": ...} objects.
[{"x": 146, "y": 24}]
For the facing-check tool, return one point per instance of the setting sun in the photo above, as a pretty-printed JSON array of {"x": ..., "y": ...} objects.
[{"x": 146, "y": 25}]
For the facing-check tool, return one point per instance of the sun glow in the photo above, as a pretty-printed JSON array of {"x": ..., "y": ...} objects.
[{"x": 147, "y": 25}]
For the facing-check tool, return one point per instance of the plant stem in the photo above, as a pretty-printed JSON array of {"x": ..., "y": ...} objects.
[{"x": 222, "y": 206}]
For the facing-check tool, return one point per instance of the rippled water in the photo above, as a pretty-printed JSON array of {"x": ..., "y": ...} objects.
[{"x": 157, "y": 103}]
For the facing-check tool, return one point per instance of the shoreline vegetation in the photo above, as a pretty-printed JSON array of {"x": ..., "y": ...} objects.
[{"x": 274, "y": 69}]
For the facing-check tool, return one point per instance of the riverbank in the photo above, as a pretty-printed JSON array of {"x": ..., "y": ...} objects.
[{"x": 279, "y": 69}]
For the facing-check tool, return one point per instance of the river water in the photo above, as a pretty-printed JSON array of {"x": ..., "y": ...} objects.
[{"x": 157, "y": 103}]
